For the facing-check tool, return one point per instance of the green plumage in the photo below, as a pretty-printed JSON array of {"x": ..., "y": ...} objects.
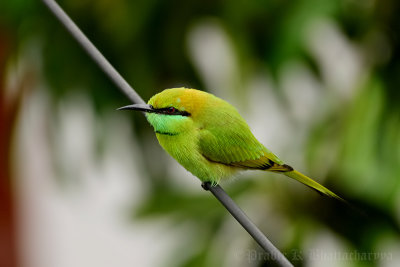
[{"x": 208, "y": 137}]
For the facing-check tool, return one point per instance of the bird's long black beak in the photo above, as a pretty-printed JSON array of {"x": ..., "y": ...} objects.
[{"x": 139, "y": 107}]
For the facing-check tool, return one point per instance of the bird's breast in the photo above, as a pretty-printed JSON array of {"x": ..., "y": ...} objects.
[{"x": 184, "y": 148}]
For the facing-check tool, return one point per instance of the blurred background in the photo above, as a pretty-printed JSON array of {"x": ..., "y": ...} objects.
[{"x": 84, "y": 185}]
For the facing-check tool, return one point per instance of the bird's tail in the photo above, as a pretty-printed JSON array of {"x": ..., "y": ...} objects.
[{"x": 312, "y": 184}]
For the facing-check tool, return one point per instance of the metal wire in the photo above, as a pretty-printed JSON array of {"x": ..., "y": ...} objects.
[
  {"x": 120, "y": 82},
  {"x": 93, "y": 52},
  {"x": 247, "y": 224}
]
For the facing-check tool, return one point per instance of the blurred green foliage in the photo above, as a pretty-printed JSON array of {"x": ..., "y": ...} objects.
[{"x": 146, "y": 41}]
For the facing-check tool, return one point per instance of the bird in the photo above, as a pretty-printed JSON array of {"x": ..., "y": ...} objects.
[{"x": 210, "y": 139}]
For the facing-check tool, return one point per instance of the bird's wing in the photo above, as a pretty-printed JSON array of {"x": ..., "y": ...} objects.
[{"x": 231, "y": 142}]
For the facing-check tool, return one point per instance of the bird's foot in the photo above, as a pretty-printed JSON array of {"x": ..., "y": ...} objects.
[{"x": 206, "y": 185}]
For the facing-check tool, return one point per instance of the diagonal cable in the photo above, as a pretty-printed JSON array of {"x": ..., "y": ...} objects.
[{"x": 93, "y": 52}]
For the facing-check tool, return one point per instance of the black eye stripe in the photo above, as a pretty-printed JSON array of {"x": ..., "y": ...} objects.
[{"x": 171, "y": 111}]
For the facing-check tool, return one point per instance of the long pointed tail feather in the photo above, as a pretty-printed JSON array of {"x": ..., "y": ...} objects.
[{"x": 312, "y": 184}]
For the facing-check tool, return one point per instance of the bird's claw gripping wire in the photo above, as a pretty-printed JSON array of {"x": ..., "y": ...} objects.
[{"x": 206, "y": 185}]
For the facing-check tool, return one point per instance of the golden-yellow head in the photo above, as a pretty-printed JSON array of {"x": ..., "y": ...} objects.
[{"x": 187, "y": 101}]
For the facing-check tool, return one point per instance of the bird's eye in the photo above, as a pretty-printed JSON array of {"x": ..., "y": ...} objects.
[{"x": 171, "y": 110}]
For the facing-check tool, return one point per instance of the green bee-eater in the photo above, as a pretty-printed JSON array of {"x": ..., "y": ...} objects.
[{"x": 208, "y": 137}]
